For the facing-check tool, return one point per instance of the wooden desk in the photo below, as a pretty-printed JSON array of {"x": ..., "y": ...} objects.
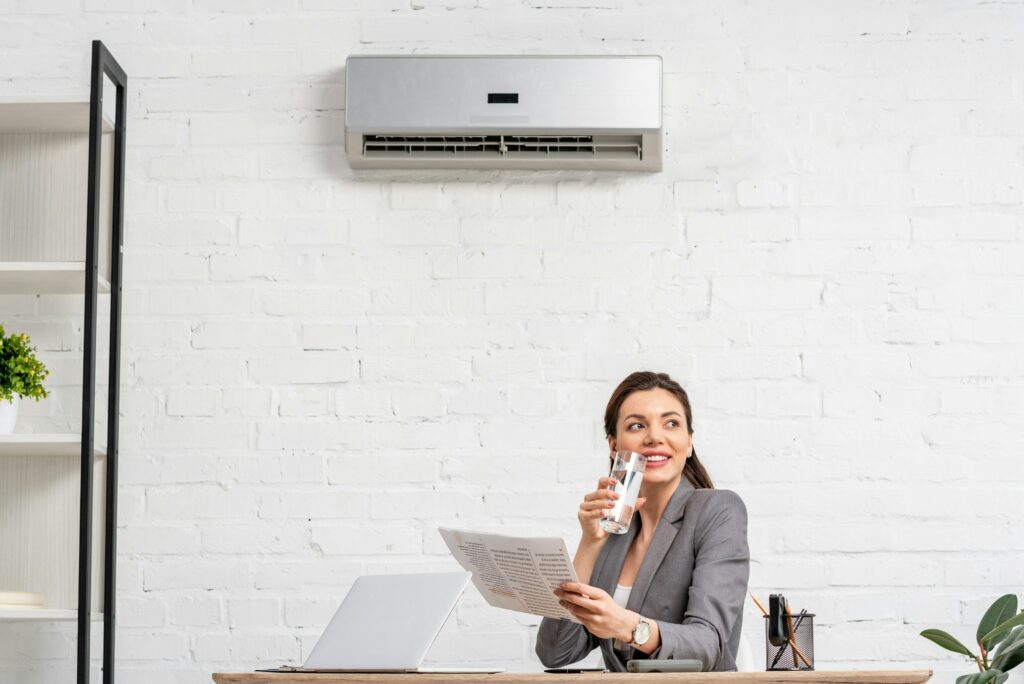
[{"x": 816, "y": 677}]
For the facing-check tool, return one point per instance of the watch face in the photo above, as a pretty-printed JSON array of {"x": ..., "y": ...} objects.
[{"x": 642, "y": 633}]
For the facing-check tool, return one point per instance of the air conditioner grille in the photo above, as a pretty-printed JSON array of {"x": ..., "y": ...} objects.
[{"x": 503, "y": 146}]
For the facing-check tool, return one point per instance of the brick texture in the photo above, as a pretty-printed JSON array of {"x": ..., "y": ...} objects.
[{"x": 320, "y": 367}]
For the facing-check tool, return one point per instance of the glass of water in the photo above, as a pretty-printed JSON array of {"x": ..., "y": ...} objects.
[{"x": 628, "y": 470}]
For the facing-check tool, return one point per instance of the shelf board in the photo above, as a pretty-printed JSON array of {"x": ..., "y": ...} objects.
[
  {"x": 44, "y": 445},
  {"x": 47, "y": 116},
  {"x": 41, "y": 615},
  {"x": 46, "y": 277}
]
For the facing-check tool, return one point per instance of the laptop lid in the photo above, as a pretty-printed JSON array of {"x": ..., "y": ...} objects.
[{"x": 387, "y": 622}]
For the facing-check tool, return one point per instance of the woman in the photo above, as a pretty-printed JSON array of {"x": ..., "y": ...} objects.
[{"x": 673, "y": 586}]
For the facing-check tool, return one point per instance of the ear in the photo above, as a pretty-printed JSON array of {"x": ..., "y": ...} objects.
[{"x": 611, "y": 445}]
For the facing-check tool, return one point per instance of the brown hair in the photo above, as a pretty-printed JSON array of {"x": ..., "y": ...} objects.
[{"x": 646, "y": 380}]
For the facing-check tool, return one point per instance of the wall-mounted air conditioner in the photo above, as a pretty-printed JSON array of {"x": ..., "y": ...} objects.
[{"x": 504, "y": 112}]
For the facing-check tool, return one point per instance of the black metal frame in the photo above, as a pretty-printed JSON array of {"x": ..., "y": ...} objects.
[{"x": 103, "y": 64}]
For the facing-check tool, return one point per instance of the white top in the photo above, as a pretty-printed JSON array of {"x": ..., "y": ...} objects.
[{"x": 621, "y": 594}]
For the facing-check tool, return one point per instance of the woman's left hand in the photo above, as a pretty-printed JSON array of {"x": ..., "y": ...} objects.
[{"x": 599, "y": 613}]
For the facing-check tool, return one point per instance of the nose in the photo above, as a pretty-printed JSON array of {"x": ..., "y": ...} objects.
[{"x": 653, "y": 435}]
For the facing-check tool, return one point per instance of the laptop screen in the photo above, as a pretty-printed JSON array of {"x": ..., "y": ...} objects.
[{"x": 387, "y": 622}]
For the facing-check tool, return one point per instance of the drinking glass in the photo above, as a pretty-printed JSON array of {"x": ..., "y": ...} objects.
[{"x": 628, "y": 470}]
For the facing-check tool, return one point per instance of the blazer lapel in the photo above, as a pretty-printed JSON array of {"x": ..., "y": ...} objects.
[
  {"x": 606, "y": 574},
  {"x": 664, "y": 535}
]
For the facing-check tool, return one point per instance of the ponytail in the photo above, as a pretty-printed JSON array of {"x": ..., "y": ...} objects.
[{"x": 695, "y": 473}]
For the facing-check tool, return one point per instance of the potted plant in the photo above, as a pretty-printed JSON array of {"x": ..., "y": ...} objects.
[
  {"x": 21, "y": 375},
  {"x": 1000, "y": 638}
]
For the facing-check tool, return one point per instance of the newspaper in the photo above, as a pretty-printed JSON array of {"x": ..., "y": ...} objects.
[{"x": 516, "y": 573}]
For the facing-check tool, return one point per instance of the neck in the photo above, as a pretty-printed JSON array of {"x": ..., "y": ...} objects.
[{"x": 657, "y": 499}]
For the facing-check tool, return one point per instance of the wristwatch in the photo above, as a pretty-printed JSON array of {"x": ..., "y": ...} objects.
[{"x": 641, "y": 633}]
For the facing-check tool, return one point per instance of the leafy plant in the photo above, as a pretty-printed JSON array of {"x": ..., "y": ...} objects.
[
  {"x": 1000, "y": 638},
  {"x": 21, "y": 371}
]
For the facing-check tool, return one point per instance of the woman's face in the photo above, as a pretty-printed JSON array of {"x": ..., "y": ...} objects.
[{"x": 652, "y": 422}]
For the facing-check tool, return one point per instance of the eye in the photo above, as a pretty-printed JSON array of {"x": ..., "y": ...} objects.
[
  {"x": 673, "y": 423},
  {"x": 634, "y": 425}
]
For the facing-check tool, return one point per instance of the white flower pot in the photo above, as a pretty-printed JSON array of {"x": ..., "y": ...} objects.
[{"x": 8, "y": 415}]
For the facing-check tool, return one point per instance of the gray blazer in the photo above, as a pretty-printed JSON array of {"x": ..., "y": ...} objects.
[{"x": 692, "y": 582}]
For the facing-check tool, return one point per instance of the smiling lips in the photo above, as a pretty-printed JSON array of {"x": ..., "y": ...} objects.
[{"x": 656, "y": 459}]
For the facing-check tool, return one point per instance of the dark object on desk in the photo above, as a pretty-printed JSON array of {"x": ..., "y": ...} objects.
[
  {"x": 682, "y": 665},
  {"x": 574, "y": 670},
  {"x": 778, "y": 629},
  {"x": 779, "y": 658}
]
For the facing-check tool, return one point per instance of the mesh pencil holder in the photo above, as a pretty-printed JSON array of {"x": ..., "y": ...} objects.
[{"x": 803, "y": 633}]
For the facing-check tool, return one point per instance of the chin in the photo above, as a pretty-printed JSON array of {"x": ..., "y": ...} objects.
[{"x": 660, "y": 476}]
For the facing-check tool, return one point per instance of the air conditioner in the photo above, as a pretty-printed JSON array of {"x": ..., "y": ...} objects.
[{"x": 504, "y": 112}]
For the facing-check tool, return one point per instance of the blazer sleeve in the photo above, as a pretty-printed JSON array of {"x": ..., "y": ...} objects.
[
  {"x": 719, "y": 584},
  {"x": 561, "y": 642}
]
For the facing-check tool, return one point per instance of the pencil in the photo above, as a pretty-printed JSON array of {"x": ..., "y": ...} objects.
[
  {"x": 759, "y": 605},
  {"x": 792, "y": 638}
]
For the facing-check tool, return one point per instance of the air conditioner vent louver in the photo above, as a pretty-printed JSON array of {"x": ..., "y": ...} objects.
[
  {"x": 545, "y": 112},
  {"x": 497, "y": 146}
]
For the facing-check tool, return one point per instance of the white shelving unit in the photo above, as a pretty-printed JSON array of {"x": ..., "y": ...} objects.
[
  {"x": 44, "y": 118},
  {"x": 40, "y": 487},
  {"x": 44, "y": 145},
  {"x": 61, "y": 223},
  {"x": 47, "y": 115},
  {"x": 46, "y": 277},
  {"x": 43, "y": 615},
  {"x": 44, "y": 445}
]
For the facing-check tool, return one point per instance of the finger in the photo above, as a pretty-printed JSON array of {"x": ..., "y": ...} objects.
[
  {"x": 575, "y": 612},
  {"x": 601, "y": 494},
  {"x": 578, "y": 600},
  {"x": 579, "y": 612},
  {"x": 582, "y": 589},
  {"x": 596, "y": 505},
  {"x": 640, "y": 502}
]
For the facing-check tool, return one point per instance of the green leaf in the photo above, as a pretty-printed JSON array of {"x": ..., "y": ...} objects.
[
  {"x": 989, "y": 677},
  {"x": 1004, "y": 608},
  {"x": 946, "y": 641},
  {"x": 1000, "y": 643},
  {"x": 1010, "y": 657},
  {"x": 986, "y": 677},
  {"x": 998, "y": 630}
]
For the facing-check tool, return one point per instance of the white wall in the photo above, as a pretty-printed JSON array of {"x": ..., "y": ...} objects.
[{"x": 321, "y": 367}]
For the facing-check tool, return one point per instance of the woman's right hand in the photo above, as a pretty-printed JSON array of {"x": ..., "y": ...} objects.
[{"x": 594, "y": 506}]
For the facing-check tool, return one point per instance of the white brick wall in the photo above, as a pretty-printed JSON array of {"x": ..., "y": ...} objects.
[{"x": 320, "y": 367}]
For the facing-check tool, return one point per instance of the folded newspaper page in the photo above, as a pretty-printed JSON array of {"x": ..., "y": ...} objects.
[{"x": 517, "y": 573}]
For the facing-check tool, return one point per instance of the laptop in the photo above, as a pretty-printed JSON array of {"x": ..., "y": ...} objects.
[{"x": 387, "y": 623}]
